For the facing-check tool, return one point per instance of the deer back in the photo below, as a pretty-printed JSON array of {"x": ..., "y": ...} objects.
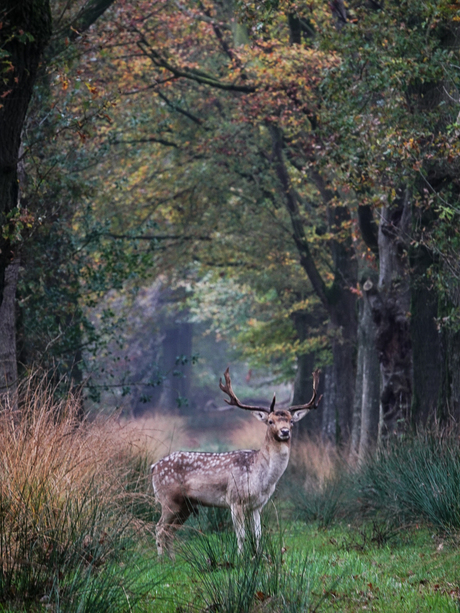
[{"x": 246, "y": 477}]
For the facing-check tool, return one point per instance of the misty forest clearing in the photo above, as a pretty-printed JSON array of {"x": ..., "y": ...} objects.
[
  {"x": 78, "y": 518},
  {"x": 270, "y": 186}
]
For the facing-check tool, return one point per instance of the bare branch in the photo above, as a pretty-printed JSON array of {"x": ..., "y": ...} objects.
[{"x": 135, "y": 141}]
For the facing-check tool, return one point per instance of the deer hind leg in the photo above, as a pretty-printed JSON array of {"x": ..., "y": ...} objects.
[
  {"x": 172, "y": 518},
  {"x": 238, "y": 525}
]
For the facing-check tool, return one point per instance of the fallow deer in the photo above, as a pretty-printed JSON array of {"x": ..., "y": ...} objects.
[{"x": 241, "y": 480}]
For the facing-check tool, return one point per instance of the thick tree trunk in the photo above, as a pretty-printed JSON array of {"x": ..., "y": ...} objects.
[
  {"x": 370, "y": 382},
  {"x": 367, "y": 393},
  {"x": 449, "y": 404},
  {"x": 339, "y": 388},
  {"x": 426, "y": 350},
  {"x": 358, "y": 399},
  {"x": 26, "y": 29},
  {"x": 341, "y": 306},
  {"x": 390, "y": 304},
  {"x": 450, "y": 408},
  {"x": 331, "y": 403},
  {"x": 344, "y": 343}
]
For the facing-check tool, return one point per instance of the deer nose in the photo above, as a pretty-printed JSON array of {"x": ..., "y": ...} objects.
[{"x": 285, "y": 432}]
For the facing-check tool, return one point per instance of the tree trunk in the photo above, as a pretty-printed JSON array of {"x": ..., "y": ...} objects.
[
  {"x": 344, "y": 325},
  {"x": 176, "y": 365},
  {"x": 451, "y": 376},
  {"x": 370, "y": 382},
  {"x": 358, "y": 399},
  {"x": 8, "y": 363},
  {"x": 339, "y": 389},
  {"x": 426, "y": 348},
  {"x": 26, "y": 29},
  {"x": 390, "y": 305}
]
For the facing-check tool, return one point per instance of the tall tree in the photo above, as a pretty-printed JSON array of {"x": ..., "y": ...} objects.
[
  {"x": 25, "y": 36},
  {"x": 395, "y": 80},
  {"x": 25, "y": 33}
]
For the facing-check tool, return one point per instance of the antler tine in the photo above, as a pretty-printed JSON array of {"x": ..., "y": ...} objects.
[
  {"x": 227, "y": 389},
  {"x": 314, "y": 402}
]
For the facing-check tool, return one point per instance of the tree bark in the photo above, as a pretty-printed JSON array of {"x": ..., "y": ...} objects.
[
  {"x": 390, "y": 305},
  {"x": 26, "y": 31},
  {"x": 8, "y": 364},
  {"x": 312, "y": 422},
  {"x": 426, "y": 343},
  {"x": 344, "y": 328},
  {"x": 450, "y": 384},
  {"x": 369, "y": 382},
  {"x": 358, "y": 399}
]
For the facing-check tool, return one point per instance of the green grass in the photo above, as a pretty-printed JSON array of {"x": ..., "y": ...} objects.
[{"x": 343, "y": 568}]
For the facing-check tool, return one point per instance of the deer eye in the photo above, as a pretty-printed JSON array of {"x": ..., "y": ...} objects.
[{"x": 270, "y": 421}]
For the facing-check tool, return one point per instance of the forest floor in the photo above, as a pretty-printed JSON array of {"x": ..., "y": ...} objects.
[
  {"x": 77, "y": 519},
  {"x": 342, "y": 568}
]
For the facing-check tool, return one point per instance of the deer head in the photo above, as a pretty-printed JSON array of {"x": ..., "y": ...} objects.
[{"x": 279, "y": 422}]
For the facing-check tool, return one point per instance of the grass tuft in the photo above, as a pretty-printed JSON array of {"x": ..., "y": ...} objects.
[
  {"x": 68, "y": 489},
  {"x": 265, "y": 579},
  {"x": 415, "y": 479}
]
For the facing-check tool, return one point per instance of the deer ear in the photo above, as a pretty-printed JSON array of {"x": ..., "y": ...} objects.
[
  {"x": 260, "y": 415},
  {"x": 297, "y": 416}
]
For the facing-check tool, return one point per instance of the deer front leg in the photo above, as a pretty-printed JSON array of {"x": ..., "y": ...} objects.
[
  {"x": 256, "y": 528},
  {"x": 238, "y": 524}
]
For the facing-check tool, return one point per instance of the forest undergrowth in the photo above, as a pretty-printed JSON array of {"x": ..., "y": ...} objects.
[{"x": 77, "y": 520}]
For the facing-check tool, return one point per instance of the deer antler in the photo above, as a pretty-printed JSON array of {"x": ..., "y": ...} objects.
[
  {"x": 314, "y": 402},
  {"x": 227, "y": 389}
]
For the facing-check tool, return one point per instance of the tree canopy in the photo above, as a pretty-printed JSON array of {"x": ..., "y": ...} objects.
[{"x": 290, "y": 169}]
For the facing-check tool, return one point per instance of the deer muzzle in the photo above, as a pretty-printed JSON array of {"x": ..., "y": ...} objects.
[{"x": 284, "y": 434}]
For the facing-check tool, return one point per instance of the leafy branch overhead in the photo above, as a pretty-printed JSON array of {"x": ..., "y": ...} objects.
[{"x": 300, "y": 159}]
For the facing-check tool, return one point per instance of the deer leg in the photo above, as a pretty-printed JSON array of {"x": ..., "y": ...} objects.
[
  {"x": 170, "y": 521},
  {"x": 238, "y": 524},
  {"x": 256, "y": 527}
]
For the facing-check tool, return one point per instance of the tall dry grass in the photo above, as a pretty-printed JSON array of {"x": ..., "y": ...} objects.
[
  {"x": 317, "y": 462},
  {"x": 155, "y": 436},
  {"x": 70, "y": 495},
  {"x": 247, "y": 433},
  {"x": 317, "y": 481}
]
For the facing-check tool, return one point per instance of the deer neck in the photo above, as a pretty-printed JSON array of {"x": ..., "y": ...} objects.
[{"x": 274, "y": 457}]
